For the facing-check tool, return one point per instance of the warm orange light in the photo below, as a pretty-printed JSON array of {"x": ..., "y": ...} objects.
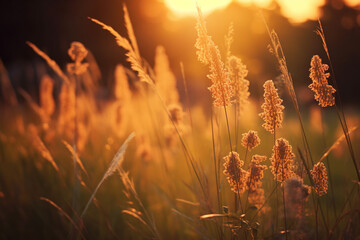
[
  {"x": 295, "y": 10},
  {"x": 301, "y": 10},
  {"x": 353, "y": 3},
  {"x": 188, "y": 7}
]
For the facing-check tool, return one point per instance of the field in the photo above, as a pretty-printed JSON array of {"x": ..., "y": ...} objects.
[{"x": 142, "y": 161}]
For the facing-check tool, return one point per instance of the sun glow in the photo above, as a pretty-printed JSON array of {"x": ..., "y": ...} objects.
[
  {"x": 187, "y": 7},
  {"x": 296, "y": 10},
  {"x": 301, "y": 10}
]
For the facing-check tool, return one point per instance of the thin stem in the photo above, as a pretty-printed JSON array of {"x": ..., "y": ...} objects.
[
  {"x": 342, "y": 120},
  {"x": 187, "y": 153},
  {"x": 286, "y": 236},
  {"x": 236, "y": 127},
  {"x": 276, "y": 181},
  {"x": 316, "y": 221},
  {"x": 228, "y": 127},
  {"x": 328, "y": 166},
  {"x": 312, "y": 184},
  {"x": 186, "y": 94},
  {"x": 348, "y": 141},
  {"x": 215, "y": 165}
]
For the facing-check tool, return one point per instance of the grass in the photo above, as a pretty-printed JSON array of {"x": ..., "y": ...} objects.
[{"x": 170, "y": 182}]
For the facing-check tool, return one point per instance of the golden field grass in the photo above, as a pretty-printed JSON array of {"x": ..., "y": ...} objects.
[{"x": 140, "y": 163}]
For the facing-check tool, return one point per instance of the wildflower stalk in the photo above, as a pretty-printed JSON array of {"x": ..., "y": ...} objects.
[
  {"x": 185, "y": 148},
  {"x": 77, "y": 53},
  {"x": 276, "y": 186},
  {"x": 137, "y": 65},
  {"x": 313, "y": 197},
  {"x": 280, "y": 57},
  {"x": 339, "y": 110},
  {"x": 217, "y": 177},
  {"x": 186, "y": 94},
  {"x": 76, "y": 171},
  {"x": 286, "y": 233}
]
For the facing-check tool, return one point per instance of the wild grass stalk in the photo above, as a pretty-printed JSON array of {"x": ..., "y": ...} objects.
[
  {"x": 333, "y": 202},
  {"x": 339, "y": 109},
  {"x": 315, "y": 201},
  {"x": 186, "y": 95},
  {"x": 131, "y": 192},
  {"x": 114, "y": 164},
  {"x": 137, "y": 65},
  {"x": 277, "y": 50},
  {"x": 63, "y": 213},
  {"x": 222, "y": 214},
  {"x": 54, "y": 66}
]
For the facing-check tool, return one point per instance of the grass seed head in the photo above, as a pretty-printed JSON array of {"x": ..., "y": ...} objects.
[
  {"x": 250, "y": 140},
  {"x": 282, "y": 160},
  {"x": 320, "y": 179},
  {"x": 239, "y": 84},
  {"x": 272, "y": 109},
  {"x": 256, "y": 172},
  {"x": 208, "y": 53},
  {"x": 236, "y": 176},
  {"x": 323, "y": 91},
  {"x": 77, "y": 53}
]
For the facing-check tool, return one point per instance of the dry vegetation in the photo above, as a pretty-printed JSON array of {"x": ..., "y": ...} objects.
[{"x": 234, "y": 173}]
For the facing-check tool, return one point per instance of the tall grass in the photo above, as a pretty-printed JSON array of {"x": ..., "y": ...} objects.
[{"x": 186, "y": 175}]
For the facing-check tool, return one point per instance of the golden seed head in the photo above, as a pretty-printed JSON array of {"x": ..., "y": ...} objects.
[
  {"x": 256, "y": 172},
  {"x": 77, "y": 51},
  {"x": 236, "y": 176},
  {"x": 323, "y": 91},
  {"x": 282, "y": 160},
  {"x": 250, "y": 140},
  {"x": 320, "y": 179},
  {"x": 240, "y": 85},
  {"x": 209, "y": 53},
  {"x": 202, "y": 42},
  {"x": 272, "y": 109},
  {"x": 220, "y": 89}
]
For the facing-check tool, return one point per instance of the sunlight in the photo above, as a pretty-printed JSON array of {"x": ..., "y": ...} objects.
[
  {"x": 296, "y": 11},
  {"x": 187, "y": 7},
  {"x": 300, "y": 10},
  {"x": 353, "y": 3}
]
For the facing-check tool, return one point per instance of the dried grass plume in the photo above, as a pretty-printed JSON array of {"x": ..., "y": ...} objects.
[
  {"x": 323, "y": 91},
  {"x": 236, "y": 176},
  {"x": 272, "y": 109},
  {"x": 282, "y": 160},
  {"x": 250, "y": 140},
  {"x": 320, "y": 179}
]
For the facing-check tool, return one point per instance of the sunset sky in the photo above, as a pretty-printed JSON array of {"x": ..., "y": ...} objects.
[{"x": 296, "y": 10}]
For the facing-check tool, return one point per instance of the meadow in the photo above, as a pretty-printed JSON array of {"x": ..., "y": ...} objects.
[{"x": 140, "y": 161}]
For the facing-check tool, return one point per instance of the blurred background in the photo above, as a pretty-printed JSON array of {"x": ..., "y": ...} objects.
[{"x": 53, "y": 25}]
